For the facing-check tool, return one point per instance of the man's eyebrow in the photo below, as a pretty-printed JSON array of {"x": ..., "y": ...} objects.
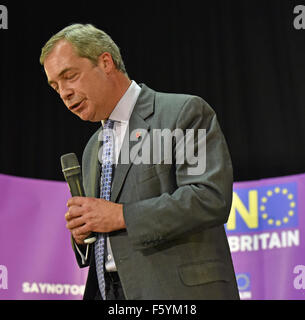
[{"x": 60, "y": 74}]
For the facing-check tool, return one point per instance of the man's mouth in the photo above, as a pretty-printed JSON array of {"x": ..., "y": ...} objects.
[{"x": 75, "y": 106}]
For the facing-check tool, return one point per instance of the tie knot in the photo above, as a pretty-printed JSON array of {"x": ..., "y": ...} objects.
[{"x": 108, "y": 124}]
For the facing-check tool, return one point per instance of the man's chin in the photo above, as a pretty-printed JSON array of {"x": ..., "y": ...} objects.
[{"x": 87, "y": 117}]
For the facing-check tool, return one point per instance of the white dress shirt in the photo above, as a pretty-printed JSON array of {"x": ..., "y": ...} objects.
[{"x": 120, "y": 115}]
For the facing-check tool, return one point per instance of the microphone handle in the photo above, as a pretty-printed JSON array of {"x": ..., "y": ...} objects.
[{"x": 77, "y": 190}]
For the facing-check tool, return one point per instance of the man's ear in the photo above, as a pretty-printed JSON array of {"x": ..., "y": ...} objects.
[{"x": 105, "y": 62}]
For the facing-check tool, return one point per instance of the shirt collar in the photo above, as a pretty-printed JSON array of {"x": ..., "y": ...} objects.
[{"x": 124, "y": 108}]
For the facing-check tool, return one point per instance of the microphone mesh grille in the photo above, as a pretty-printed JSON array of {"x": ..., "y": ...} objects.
[{"x": 69, "y": 160}]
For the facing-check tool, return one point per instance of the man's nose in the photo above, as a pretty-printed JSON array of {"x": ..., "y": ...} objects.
[{"x": 66, "y": 93}]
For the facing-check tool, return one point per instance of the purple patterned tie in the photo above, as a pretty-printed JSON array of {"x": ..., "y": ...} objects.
[{"x": 106, "y": 177}]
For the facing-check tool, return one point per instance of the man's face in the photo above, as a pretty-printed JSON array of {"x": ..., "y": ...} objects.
[{"x": 84, "y": 88}]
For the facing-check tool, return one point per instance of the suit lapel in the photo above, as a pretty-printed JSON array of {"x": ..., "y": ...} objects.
[
  {"x": 94, "y": 170},
  {"x": 143, "y": 108}
]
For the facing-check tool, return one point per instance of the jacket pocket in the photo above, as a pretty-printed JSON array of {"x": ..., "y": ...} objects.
[{"x": 204, "y": 272}]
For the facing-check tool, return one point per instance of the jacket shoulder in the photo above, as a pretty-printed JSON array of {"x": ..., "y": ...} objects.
[{"x": 171, "y": 106}]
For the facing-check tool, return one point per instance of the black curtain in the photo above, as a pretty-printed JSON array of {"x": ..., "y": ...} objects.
[{"x": 245, "y": 58}]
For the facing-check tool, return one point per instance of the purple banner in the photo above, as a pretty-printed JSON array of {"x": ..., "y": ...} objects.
[
  {"x": 265, "y": 230},
  {"x": 36, "y": 259}
]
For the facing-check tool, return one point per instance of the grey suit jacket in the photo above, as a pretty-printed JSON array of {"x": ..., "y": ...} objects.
[{"x": 174, "y": 246}]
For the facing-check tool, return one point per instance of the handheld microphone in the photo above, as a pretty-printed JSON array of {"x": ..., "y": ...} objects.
[{"x": 72, "y": 173}]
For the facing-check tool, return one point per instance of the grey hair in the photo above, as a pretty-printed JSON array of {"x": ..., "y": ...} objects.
[{"x": 88, "y": 41}]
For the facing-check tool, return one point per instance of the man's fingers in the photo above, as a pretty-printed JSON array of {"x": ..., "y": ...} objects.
[
  {"x": 80, "y": 239},
  {"x": 75, "y": 223},
  {"x": 76, "y": 201},
  {"x": 74, "y": 212},
  {"x": 80, "y": 233}
]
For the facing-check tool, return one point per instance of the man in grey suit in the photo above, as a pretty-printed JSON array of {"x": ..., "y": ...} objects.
[{"x": 164, "y": 223}]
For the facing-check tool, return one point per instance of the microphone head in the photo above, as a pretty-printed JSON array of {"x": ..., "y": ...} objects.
[
  {"x": 69, "y": 160},
  {"x": 69, "y": 164}
]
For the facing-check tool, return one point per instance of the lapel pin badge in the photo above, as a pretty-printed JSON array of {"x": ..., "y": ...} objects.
[{"x": 138, "y": 135}]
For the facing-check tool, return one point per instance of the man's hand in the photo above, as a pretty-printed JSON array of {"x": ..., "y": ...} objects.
[{"x": 86, "y": 215}]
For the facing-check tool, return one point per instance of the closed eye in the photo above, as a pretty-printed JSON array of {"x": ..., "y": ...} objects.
[{"x": 70, "y": 76}]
